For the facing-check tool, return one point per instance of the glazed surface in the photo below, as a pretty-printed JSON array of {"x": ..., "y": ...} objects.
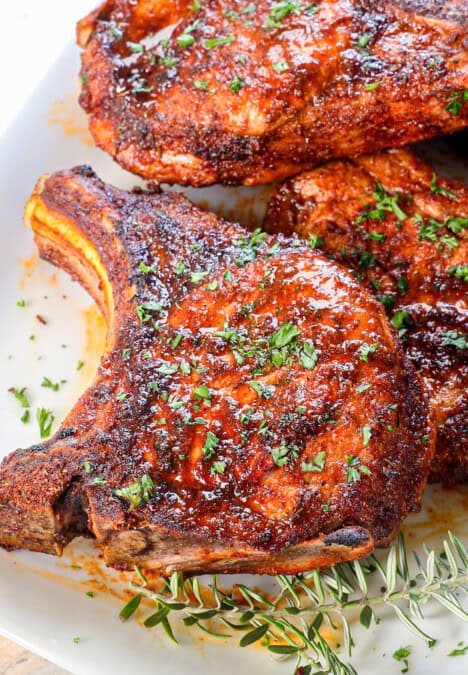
[
  {"x": 407, "y": 240},
  {"x": 234, "y": 92},
  {"x": 257, "y": 384}
]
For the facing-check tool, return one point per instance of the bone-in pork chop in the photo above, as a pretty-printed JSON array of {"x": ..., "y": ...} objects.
[
  {"x": 249, "y": 93},
  {"x": 403, "y": 230},
  {"x": 253, "y": 410}
]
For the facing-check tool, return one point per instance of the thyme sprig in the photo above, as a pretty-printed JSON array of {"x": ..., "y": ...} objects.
[{"x": 288, "y": 624}]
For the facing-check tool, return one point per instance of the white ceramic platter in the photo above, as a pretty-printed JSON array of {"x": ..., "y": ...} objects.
[{"x": 43, "y": 601}]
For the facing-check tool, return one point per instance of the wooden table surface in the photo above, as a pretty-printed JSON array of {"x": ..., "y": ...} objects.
[{"x": 14, "y": 660}]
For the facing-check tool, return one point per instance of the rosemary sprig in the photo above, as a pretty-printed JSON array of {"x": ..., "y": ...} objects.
[{"x": 288, "y": 624}]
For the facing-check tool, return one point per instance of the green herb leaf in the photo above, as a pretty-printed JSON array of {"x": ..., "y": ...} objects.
[
  {"x": 138, "y": 492},
  {"x": 218, "y": 42},
  {"x": 210, "y": 445},
  {"x": 402, "y": 655},
  {"x": 280, "y": 66},
  {"x": 45, "y": 419},
  {"x": 130, "y": 608},
  {"x": 20, "y": 396},
  {"x": 317, "y": 465},
  {"x": 49, "y": 384},
  {"x": 254, "y": 635}
]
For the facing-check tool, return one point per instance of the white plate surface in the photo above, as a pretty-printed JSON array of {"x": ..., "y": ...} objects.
[{"x": 43, "y": 602}]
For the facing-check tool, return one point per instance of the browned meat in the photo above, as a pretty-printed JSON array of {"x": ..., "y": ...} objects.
[
  {"x": 403, "y": 231},
  {"x": 248, "y": 93},
  {"x": 253, "y": 410}
]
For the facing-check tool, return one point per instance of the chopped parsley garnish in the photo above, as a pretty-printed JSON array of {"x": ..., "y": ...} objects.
[
  {"x": 210, "y": 445},
  {"x": 284, "y": 335},
  {"x": 432, "y": 230},
  {"x": 144, "y": 310},
  {"x": 140, "y": 86},
  {"x": 370, "y": 86},
  {"x": 116, "y": 32},
  {"x": 21, "y": 303},
  {"x": 366, "y": 435},
  {"x": 126, "y": 353},
  {"x": 460, "y": 651},
  {"x": 99, "y": 481},
  {"x": 48, "y": 384},
  {"x": 185, "y": 39},
  {"x": 196, "y": 277},
  {"x": 315, "y": 241},
  {"x": 363, "y": 387},
  {"x": 200, "y": 84},
  {"x": 168, "y": 61},
  {"x": 138, "y": 492},
  {"x": 438, "y": 190},
  {"x": 457, "y": 101},
  {"x": 25, "y": 417},
  {"x": 367, "y": 349},
  {"x": 387, "y": 300},
  {"x": 262, "y": 390},
  {"x": 218, "y": 42},
  {"x": 401, "y": 319},
  {"x": 218, "y": 467},
  {"x": 168, "y": 368},
  {"x": 355, "y": 469},
  {"x": 308, "y": 356},
  {"x": 87, "y": 467},
  {"x": 179, "y": 267},
  {"x": 386, "y": 203},
  {"x": 279, "y": 11},
  {"x": 402, "y": 285},
  {"x": 366, "y": 260},
  {"x": 121, "y": 396},
  {"x": 280, "y": 66},
  {"x": 459, "y": 272},
  {"x": 316, "y": 465},
  {"x": 202, "y": 392},
  {"x": 135, "y": 47},
  {"x": 362, "y": 43},
  {"x": 80, "y": 364},
  {"x": 236, "y": 84},
  {"x": 402, "y": 655},
  {"x": 146, "y": 269},
  {"x": 45, "y": 419},
  {"x": 21, "y": 396},
  {"x": 283, "y": 453},
  {"x": 454, "y": 339}
]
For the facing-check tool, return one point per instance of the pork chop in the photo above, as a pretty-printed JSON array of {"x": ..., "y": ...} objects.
[
  {"x": 253, "y": 410},
  {"x": 235, "y": 92},
  {"x": 403, "y": 230}
]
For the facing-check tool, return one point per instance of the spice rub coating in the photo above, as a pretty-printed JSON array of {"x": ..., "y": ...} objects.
[
  {"x": 253, "y": 409},
  {"x": 234, "y": 92},
  {"x": 403, "y": 230}
]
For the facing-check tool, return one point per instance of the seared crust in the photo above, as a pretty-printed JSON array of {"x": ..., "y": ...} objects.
[
  {"x": 414, "y": 265},
  {"x": 277, "y": 95},
  {"x": 239, "y": 505}
]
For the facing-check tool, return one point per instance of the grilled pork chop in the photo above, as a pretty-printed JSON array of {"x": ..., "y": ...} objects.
[
  {"x": 402, "y": 229},
  {"x": 253, "y": 410},
  {"x": 253, "y": 92}
]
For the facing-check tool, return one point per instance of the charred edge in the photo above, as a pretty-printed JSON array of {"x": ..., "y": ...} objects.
[
  {"x": 71, "y": 513},
  {"x": 351, "y": 537}
]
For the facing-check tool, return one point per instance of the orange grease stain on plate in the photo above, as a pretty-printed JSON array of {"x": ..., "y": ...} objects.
[
  {"x": 29, "y": 266},
  {"x": 95, "y": 332},
  {"x": 66, "y": 114},
  {"x": 443, "y": 510}
]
